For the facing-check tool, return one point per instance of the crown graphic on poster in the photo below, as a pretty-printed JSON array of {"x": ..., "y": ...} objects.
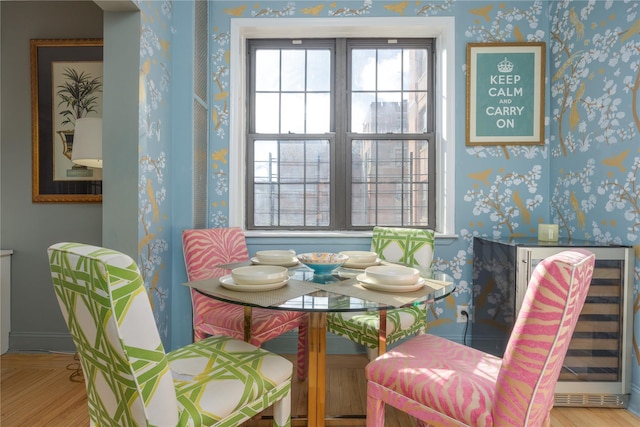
[{"x": 505, "y": 66}]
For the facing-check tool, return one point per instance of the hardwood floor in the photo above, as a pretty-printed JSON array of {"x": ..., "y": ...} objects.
[{"x": 36, "y": 390}]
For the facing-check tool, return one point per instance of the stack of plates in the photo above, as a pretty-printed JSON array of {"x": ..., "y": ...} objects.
[
  {"x": 256, "y": 278},
  {"x": 283, "y": 258},
  {"x": 391, "y": 278},
  {"x": 360, "y": 260}
]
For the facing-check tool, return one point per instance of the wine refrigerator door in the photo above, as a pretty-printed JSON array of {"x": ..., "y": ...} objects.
[{"x": 597, "y": 367}]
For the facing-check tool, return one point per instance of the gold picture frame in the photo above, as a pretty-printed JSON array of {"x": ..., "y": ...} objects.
[
  {"x": 66, "y": 84},
  {"x": 505, "y": 93}
]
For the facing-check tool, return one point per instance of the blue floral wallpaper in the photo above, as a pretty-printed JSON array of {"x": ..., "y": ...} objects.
[
  {"x": 584, "y": 178},
  {"x": 154, "y": 204}
]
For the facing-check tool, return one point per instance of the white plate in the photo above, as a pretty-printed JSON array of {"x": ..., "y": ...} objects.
[
  {"x": 347, "y": 274},
  {"x": 255, "y": 260},
  {"x": 227, "y": 282},
  {"x": 361, "y": 265},
  {"x": 392, "y": 274},
  {"x": 362, "y": 278}
]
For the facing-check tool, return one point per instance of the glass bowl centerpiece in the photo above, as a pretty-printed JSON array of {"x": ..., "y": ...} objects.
[{"x": 322, "y": 262}]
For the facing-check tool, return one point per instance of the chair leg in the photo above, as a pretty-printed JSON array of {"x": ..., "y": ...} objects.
[
  {"x": 282, "y": 411},
  {"x": 303, "y": 351},
  {"x": 375, "y": 408}
]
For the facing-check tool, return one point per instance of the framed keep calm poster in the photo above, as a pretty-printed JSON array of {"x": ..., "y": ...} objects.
[{"x": 505, "y": 93}]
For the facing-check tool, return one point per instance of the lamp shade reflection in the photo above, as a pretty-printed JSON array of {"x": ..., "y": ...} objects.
[{"x": 87, "y": 142}]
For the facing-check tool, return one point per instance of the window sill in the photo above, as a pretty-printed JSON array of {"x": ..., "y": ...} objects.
[{"x": 441, "y": 238}]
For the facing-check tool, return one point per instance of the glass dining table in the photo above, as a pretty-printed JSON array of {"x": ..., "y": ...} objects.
[{"x": 317, "y": 296}]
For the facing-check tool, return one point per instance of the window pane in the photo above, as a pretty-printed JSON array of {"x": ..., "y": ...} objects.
[
  {"x": 389, "y": 110},
  {"x": 291, "y": 183},
  {"x": 363, "y": 113},
  {"x": 364, "y": 209},
  {"x": 398, "y": 101},
  {"x": 267, "y": 112},
  {"x": 293, "y": 70},
  {"x": 319, "y": 70},
  {"x": 389, "y": 182},
  {"x": 264, "y": 162},
  {"x": 318, "y": 113},
  {"x": 416, "y": 112},
  {"x": 292, "y": 113},
  {"x": 363, "y": 69},
  {"x": 317, "y": 211},
  {"x": 292, "y": 212},
  {"x": 415, "y": 70},
  {"x": 265, "y": 200},
  {"x": 302, "y": 109},
  {"x": 389, "y": 69},
  {"x": 268, "y": 68}
]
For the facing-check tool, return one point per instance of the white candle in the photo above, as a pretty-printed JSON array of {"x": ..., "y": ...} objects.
[{"x": 548, "y": 232}]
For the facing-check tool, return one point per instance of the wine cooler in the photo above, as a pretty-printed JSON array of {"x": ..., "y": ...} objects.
[{"x": 597, "y": 367}]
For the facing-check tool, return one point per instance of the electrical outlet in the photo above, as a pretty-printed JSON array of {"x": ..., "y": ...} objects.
[{"x": 461, "y": 318}]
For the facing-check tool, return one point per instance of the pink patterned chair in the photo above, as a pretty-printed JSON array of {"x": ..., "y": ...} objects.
[
  {"x": 204, "y": 250},
  {"x": 443, "y": 383}
]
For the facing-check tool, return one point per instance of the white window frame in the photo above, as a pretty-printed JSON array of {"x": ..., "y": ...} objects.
[{"x": 440, "y": 28}]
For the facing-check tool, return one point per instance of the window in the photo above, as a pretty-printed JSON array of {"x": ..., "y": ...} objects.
[
  {"x": 340, "y": 133},
  {"x": 441, "y": 29}
]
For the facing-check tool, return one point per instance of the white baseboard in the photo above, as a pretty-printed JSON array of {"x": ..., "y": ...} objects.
[{"x": 634, "y": 400}]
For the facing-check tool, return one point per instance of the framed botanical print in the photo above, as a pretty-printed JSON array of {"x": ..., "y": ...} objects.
[{"x": 66, "y": 85}]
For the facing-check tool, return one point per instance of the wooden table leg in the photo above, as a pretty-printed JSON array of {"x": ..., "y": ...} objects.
[
  {"x": 317, "y": 369},
  {"x": 382, "y": 333},
  {"x": 247, "y": 323}
]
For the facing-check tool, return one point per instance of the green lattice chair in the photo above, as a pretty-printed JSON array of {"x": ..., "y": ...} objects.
[
  {"x": 404, "y": 245},
  {"x": 130, "y": 380}
]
